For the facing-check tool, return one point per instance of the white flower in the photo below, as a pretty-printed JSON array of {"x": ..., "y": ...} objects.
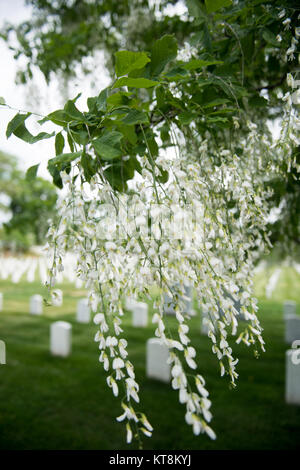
[
  {"x": 210, "y": 432},
  {"x": 172, "y": 343},
  {"x": 128, "y": 414},
  {"x": 111, "y": 342},
  {"x": 102, "y": 341},
  {"x": 189, "y": 354},
  {"x": 129, "y": 433},
  {"x": 110, "y": 246},
  {"x": 103, "y": 358},
  {"x": 146, "y": 432},
  {"x": 183, "y": 395},
  {"x": 182, "y": 330},
  {"x": 118, "y": 329},
  {"x": 145, "y": 422},
  {"x": 117, "y": 365},
  {"x": 194, "y": 420},
  {"x": 99, "y": 318},
  {"x": 130, "y": 369},
  {"x": 200, "y": 386},
  {"x": 131, "y": 389},
  {"x": 57, "y": 297},
  {"x": 113, "y": 385},
  {"x": 122, "y": 348}
]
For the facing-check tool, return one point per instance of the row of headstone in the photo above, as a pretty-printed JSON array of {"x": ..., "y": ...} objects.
[
  {"x": 36, "y": 267},
  {"x": 157, "y": 353},
  {"x": 83, "y": 312},
  {"x": 157, "y": 367}
]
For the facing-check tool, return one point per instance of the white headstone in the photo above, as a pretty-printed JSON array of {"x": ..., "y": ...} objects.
[
  {"x": 2, "y": 352},
  {"x": 36, "y": 305},
  {"x": 140, "y": 314},
  {"x": 156, "y": 360},
  {"x": 292, "y": 377},
  {"x": 130, "y": 303},
  {"x": 83, "y": 314},
  {"x": 289, "y": 308},
  {"x": 292, "y": 328},
  {"x": 1, "y": 301},
  {"x": 60, "y": 338}
]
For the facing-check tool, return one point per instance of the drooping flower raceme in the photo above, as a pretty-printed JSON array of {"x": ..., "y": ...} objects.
[{"x": 208, "y": 229}]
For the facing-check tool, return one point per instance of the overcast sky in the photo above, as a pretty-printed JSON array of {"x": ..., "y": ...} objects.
[{"x": 38, "y": 96}]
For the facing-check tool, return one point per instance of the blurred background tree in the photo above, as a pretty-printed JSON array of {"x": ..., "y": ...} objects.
[{"x": 29, "y": 204}]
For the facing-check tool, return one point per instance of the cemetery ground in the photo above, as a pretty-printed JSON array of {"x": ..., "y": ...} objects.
[{"x": 64, "y": 403}]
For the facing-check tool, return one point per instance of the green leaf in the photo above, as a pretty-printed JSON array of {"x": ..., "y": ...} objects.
[
  {"x": 185, "y": 117},
  {"x": 176, "y": 73},
  {"x": 2, "y": 100},
  {"x": 101, "y": 100},
  {"x": 111, "y": 138},
  {"x": 106, "y": 152},
  {"x": 214, "y": 5},
  {"x": 89, "y": 166},
  {"x": 59, "y": 143},
  {"x": 71, "y": 110},
  {"x": 135, "y": 117},
  {"x": 163, "y": 51},
  {"x": 59, "y": 117},
  {"x": 63, "y": 158},
  {"x": 17, "y": 127},
  {"x": 17, "y": 120},
  {"x": 60, "y": 163},
  {"x": 23, "y": 133},
  {"x": 105, "y": 145},
  {"x": 198, "y": 63},
  {"x": 129, "y": 133},
  {"x": 135, "y": 82},
  {"x": 120, "y": 98},
  {"x": 127, "y": 61},
  {"x": 270, "y": 38},
  {"x": 32, "y": 172}
]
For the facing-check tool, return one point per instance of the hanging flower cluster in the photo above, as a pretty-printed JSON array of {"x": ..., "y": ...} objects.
[
  {"x": 194, "y": 239},
  {"x": 204, "y": 226}
]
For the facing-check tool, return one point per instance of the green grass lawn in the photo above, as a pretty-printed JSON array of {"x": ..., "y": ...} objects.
[{"x": 54, "y": 403}]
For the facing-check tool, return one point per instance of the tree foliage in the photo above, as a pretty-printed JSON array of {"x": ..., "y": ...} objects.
[
  {"x": 239, "y": 66},
  {"x": 181, "y": 131},
  {"x": 30, "y": 202}
]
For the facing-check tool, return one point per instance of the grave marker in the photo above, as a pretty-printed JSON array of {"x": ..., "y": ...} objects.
[
  {"x": 60, "y": 338},
  {"x": 36, "y": 305},
  {"x": 292, "y": 328},
  {"x": 289, "y": 308},
  {"x": 140, "y": 314},
  {"x": 2, "y": 352},
  {"x": 83, "y": 314},
  {"x": 157, "y": 355},
  {"x": 292, "y": 377}
]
